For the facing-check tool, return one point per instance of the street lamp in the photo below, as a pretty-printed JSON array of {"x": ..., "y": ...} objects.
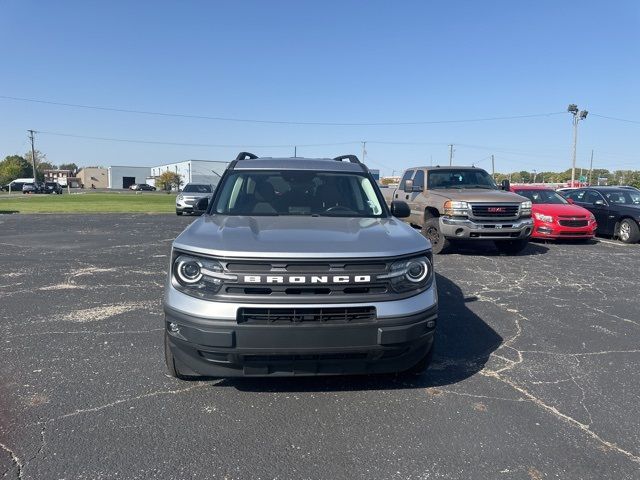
[{"x": 577, "y": 116}]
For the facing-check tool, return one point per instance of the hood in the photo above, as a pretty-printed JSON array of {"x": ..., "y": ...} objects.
[
  {"x": 195, "y": 194},
  {"x": 480, "y": 195},
  {"x": 300, "y": 237},
  {"x": 564, "y": 209}
]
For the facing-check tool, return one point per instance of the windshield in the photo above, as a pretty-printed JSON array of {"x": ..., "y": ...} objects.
[
  {"x": 623, "y": 197},
  {"x": 195, "y": 188},
  {"x": 542, "y": 196},
  {"x": 292, "y": 192},
  {"x": 467, "y": 178}
]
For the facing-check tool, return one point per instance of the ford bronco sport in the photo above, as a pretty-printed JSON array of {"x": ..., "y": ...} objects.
[{"x": 298, "y": 267}]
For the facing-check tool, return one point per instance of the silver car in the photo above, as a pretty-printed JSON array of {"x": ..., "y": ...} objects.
[{"x": 188, "y": 198}]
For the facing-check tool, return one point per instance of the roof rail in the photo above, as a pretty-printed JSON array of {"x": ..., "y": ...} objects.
[
  {"x": 246, "y": 156},
  {"x": 351, "y": 158}
]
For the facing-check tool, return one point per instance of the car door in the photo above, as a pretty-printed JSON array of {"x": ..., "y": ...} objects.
[
  {"x": 400, "y": 193},
  {"x": 418, "y": 188},
  {"x": 601, "y": 210}
]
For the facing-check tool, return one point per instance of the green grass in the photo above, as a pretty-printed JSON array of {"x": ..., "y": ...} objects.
[{"x": 88, "y": 202}]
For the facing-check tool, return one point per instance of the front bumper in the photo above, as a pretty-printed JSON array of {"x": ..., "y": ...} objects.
[
  {"x": 555, "y": 231},
  {"x": 464, "y": 228},
  {"x": 222, "y": 347}
]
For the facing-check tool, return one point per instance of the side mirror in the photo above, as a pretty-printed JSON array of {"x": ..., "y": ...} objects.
[
  {"x": 506, "y": 186},
  {"x": 570, "y": 200},
  {"x": 202, "y": 205},
  {"x": 408, "y": 186},
  {"x": 400, "y": 209},
  {"x": 599, "y": 202}
]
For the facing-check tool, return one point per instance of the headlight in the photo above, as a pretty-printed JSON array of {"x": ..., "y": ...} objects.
[
  {"x": 525, "y": 208},
  {"x": 198, "y": 276},
  {"x": 456, "y": 209},
  {"x": 543, "y": 218},
  {"x": 592, "y": 218},
  {"x": 180, "y": 197},
  {"x": 409, "y": 274}
]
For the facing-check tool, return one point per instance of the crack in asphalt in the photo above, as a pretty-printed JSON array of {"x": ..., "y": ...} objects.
[{"x": 17, "y": 463}]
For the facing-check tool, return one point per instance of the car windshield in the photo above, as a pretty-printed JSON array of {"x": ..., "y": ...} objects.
[
  {"x": 296, "y": 192},
  {"x": 623, "y": 197},
  {"x": 195, "y": 188},
  {"x": 542, "y": 196},
  {"x": 460, "y": 178}
]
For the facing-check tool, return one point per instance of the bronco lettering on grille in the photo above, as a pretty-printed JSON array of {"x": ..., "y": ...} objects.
[{"x": 307, "y": 279}]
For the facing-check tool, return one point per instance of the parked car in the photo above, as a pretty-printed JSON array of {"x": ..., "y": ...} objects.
[
  {"x": 33, "y": 187},
  {"x": 53, "y": 187},
  {"x": 299, "y": 268},
  {"x": 16, "y": 185},
  {"x": 617, "y": 210},
  {"x": 188, "y": 198},
  {"x": 464, "y": 203},
  {"x": 142, "y": 187},
  {"x": 554, "y": 217}
]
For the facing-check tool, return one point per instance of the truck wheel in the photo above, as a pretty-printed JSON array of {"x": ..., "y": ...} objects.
[
  {"x": 171, "y": 361},
  {"x": 431, "y": 230},
  {"x": 628, "y": 231},
  {"x": 422, "y": 365},
  {"x": 511, "y": 247}
]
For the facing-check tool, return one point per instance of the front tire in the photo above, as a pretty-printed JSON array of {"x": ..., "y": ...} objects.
[
  {"x": 511, "y": 247},
  {"x": 178, "y": 212},
  {"x": 423, "y": 364},
  {"x": 431, "y": 230},
  {"x": 628, "y": 231},
  {"x": 171, "y": 361}
]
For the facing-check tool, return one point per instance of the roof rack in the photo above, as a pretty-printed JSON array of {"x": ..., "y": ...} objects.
[
  {"x": 351, "y": 158},
  {"x": 246, "y": 156}
]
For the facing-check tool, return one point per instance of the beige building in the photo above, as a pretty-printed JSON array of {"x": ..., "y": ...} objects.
[{"x": 95, "y": 176}]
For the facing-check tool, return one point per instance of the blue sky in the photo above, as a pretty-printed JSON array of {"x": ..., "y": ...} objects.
[{"x": 342, "y": 61}]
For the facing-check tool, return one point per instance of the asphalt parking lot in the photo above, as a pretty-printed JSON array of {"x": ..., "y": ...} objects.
[{"x": 536, "y": 374}]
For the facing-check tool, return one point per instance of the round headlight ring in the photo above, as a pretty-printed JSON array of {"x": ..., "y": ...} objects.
[
  {"x": 417, "y": 270},
  {"x": 189, "y": 270}
]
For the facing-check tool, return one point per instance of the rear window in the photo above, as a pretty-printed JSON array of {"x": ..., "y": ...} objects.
[{"x": 195, "y": 188}]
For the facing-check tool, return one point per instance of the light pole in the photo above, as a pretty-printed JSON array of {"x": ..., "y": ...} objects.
[{"x": 577, "y": 116}]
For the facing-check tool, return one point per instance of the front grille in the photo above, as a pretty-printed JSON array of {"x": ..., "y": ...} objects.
[
  {"x": 485, "y": 210},
  {"x": 573, "y": 223},
  {"x": 305, "y": 315}
]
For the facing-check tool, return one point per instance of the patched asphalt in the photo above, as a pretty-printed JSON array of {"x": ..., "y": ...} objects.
[{"x": 536, "y": 373}]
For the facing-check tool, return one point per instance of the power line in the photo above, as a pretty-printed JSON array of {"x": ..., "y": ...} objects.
[
  {"x": 615, "y": 118},
  {"x": 184, "y": 144},
  {"x": 273, "y": 122}
]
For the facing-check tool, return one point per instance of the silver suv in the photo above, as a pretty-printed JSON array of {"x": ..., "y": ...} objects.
[
  {"x": 298, "y": 267},
  {"x": 187, "y": 199}
]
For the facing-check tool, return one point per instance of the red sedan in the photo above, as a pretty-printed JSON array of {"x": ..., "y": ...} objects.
[{"x": 554, "y": 217}]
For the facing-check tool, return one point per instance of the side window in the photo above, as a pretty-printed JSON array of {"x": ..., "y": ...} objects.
[
  {"x": 407, "y": 176},
  {"x": 418, "y": 180},
  {"x": 576, "y": 195},
  {"x": 591, "y": 197}
]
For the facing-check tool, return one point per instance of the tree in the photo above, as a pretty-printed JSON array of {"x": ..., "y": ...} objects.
[
  {"x": 69, "y": 166},
  {"x": 169, "y": 180},
  {"x": 14, "y": 166}
]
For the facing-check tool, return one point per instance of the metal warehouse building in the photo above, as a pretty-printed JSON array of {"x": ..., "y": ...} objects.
[
  {"x": 124, "y": 177},
  {"x": 194, "y": 171}
]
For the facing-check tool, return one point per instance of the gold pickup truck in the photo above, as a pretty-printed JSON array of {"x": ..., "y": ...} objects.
[{"x": 463, "y": 203}]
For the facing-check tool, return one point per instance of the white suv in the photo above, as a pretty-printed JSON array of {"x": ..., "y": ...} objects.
[{"x": 188, "y": 198}]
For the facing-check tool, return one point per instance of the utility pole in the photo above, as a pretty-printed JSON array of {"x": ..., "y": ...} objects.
[
  {"x": 450, "y": 154},
  {"x": 295, "y": 151},
  {"x": 493, "y": 168},
  {"x": 535, "y": 174},
  {"x": 577, "y": 116},
  {"x": 33, "y": 154},
  {"x": 364, "y": 150},
  {"x": 591, "y": 166}
]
